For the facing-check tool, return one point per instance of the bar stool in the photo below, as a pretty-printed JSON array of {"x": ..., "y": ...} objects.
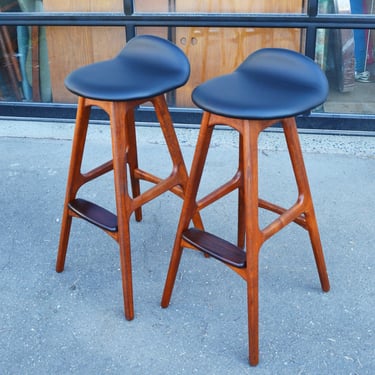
[
  {"x": 271, "y": 86},
  {"x": 144, "y": 71}
]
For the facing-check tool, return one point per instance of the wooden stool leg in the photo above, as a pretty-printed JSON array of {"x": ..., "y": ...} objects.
[
  {"x": 119, "y": 145},
  {"x": 317, "y": 249},
  {"x": 254, "y": 238},
  {"x": 295, "y": 152},
  {"x": 132, "y": 158},
  {"x": 169, "y": 134},
  {"x": 189, "y": 206},
  {"x": 74, "y": 181},
  {"x": 241, "y": 199},
  {"x": 166, "y": 125}
]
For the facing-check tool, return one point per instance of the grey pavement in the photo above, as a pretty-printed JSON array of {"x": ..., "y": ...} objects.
[{"x": 73, "y": 323}]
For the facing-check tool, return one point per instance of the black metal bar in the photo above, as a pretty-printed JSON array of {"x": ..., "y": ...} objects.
[
  {"x": 328, "y": 21},
  {"x": 312, "y": 8},
  {"x": 128, "y": 7},
  {"x": 310, "y": 44},
  {"x": 184, "y": 117}
]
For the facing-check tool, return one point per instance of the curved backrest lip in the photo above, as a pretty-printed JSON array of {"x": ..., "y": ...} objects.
[
  {"x": 147, "y": 66},
  {"x": 304, "y": 62},
  {"x": 270, "y": 83}
]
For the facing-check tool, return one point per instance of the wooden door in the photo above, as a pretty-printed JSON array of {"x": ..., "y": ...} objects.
[
  {"x": 74, "y": 46},
  {"x": 214, "y": 51}
]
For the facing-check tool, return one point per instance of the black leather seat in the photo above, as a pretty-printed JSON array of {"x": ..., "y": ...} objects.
[
  {"x": 271, "y": 86},
  {"x": 271, "y": 83},
  {"x": 148, "y": 66},
  {"x": 146, "y": 69}
]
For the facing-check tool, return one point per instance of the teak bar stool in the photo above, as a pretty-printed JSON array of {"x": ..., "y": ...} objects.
[
  {"x": 270, "y": 86},
  {"x": 144, "y": 71}
]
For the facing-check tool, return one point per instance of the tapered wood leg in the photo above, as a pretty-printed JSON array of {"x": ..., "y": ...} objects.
[
  {"x": 74, "y": 181},
  {"x": 119, "y": 145},
  {"x": 189, "y": 206},
  {"x": 253, "y": 304},
  {"x": 254, "y": 237},
  {"x": 170, "y": 137},
  {"x": 295, "y": 152},
  {"x": 166, "y": 125},
  {"x": 241, "y": 199},
  {"x": 66, "y": 224},
  {"x": 133, "y": 158},
  {"x": 317, "y": 249}
]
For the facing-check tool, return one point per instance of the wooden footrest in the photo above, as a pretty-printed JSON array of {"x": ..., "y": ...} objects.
[
  {"x": 94, "y": 214},
  {"x": 216, "y": 247}
]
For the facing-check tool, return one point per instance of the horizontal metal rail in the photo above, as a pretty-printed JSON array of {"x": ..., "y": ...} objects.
[{"x": 326, "y": 21}]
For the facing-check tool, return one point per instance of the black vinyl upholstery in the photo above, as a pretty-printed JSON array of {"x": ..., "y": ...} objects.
[
  {"x": 146, "y": 67},
  {"x": 251, "y": 92}
]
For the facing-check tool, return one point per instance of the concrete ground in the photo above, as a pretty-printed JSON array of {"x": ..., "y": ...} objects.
[{"x": 73, "y": 323}]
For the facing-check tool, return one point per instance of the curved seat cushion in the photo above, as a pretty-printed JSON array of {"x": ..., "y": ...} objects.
[
  {"x": 146, "y": 67},
  {"x": 271, "y": 83}
]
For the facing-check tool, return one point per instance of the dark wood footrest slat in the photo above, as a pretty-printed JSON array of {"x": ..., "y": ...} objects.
[
  {"x": 216, "y": 247},
  {"x": 94, "y": 214}
]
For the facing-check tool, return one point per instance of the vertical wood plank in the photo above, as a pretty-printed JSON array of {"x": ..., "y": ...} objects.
[{"x": 72, "y": 47}]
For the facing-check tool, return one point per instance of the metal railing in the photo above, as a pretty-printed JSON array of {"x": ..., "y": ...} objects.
[{"x": 130, "y": 20}]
